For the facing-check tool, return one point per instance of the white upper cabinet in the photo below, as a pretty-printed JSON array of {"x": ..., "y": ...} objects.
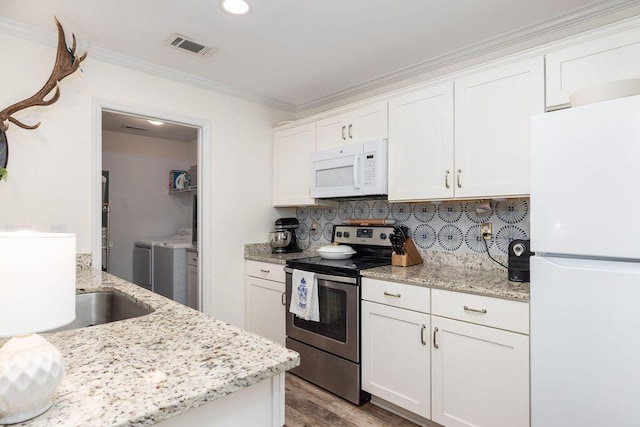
[
  {"x": 493, "y": 110},
  {"x": 421, "y": 144},
  {"x": 363, "y": 124},
  {"x": 292, "y": 149},
  {"x": 608, "y": 58}
]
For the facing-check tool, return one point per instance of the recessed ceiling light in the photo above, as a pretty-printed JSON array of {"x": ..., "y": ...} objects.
[
  {"x": 235, "y": 7},
  {"x": 156, "y": 122}
]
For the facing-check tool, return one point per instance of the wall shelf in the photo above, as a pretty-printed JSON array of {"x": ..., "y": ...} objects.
[{"x": 184, "y": 190}]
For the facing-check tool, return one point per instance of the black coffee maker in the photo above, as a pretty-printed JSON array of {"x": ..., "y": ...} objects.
[
  {"x": 284, "y": 239},
  {"x": 519, "y": 254}
]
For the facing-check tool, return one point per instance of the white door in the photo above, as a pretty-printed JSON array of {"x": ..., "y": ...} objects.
[
  {"x": 292, "y": 149},
  {"x": 421, "y": 144},
  {"x": 585, "y": 343},
  {"x": 266, "y": 309},
  {"x": 368, "y": 123},
  {"x": 395, "y": 356},
  {"x": 332, "y": 132},
  {"x": 480, "y": 375},
  {"x": 492, "y": 128},
  {"x": 584, "y": 162}
]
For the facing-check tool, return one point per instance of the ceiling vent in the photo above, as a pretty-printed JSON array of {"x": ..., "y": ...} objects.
[
  {"x": 129, "y": 127},
  {"x": 186, "y": 44}
]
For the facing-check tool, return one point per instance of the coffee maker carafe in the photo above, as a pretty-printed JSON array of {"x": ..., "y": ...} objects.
[{"x": 284, "y": 239}]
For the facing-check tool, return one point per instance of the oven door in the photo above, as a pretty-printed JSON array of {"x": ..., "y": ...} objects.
[{"x": 338, "y": 331}]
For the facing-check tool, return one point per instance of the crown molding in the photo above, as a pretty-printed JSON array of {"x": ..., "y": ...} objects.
[
  {"x": 485, "y": 47},
  {"x": 38, "y": 35}
]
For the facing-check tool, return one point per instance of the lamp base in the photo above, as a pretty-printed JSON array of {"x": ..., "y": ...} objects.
[{"x": 31, "y": 369}]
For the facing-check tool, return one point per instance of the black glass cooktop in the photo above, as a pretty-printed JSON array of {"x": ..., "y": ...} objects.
[{"x": 342, "y": 267}]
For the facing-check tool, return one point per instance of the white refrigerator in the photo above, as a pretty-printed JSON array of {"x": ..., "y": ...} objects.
[{"x": 585, "y": 276}]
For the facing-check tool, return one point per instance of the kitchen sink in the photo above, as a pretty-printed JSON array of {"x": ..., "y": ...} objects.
[{"x": 96, "y": 308}]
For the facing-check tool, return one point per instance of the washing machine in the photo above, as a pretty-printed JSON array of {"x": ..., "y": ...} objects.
[{"x": 161, "y": 270}]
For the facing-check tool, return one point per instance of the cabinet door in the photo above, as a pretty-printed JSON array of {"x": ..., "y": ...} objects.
[
  {"x": 192, "y": 287},
  {"x": 492, "y": 128},
  {"x": 266, "y": 309},
  {"x": 605, "y": 59},
  {"x": 421, "y": 144},
  {"x": 395, "y": 356},
  {"x": 331, "y": 132},
  {"x": 292, "y": 149},
  {"x": 368, "y": 123},
  {"x": 480, "y": 375}
]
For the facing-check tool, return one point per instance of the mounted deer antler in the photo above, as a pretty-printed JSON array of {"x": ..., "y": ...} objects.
[{"x": 66, "y": 63}]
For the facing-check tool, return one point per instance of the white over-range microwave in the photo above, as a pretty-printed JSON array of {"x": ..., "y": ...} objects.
[{"x": 350, "y": 170}]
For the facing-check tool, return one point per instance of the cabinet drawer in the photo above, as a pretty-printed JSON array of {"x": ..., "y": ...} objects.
[
  {"x": 265, "y": 270},
  {"x": 192, "y": 258},
  {"x": 396, "y": 294},
  {"x": 495, "y": 312}
]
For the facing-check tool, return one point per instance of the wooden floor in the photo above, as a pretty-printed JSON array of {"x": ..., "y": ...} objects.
[{"x": 310, "y": 406}]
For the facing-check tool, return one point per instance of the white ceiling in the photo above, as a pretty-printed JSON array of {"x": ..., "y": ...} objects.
[
  {"x": 117, "y": 122},
  {"x": 299, "y": 53}
]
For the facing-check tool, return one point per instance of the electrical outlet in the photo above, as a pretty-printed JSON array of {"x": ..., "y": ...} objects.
[
  {"x": 315, "y": 228},
  {"x": 58, "y": 228},
  {"x": 485, "y": 231}
]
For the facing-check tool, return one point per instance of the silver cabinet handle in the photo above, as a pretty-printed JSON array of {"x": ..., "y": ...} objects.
[
  {"x": 475, "y": 310},
  {"x": 458, "y": 178},
  {"x": 343, "y": 129},
  {"x": 284, "y": 298},
  {"x": 446, "y": 178},
  {"x": 422, "y": 334},
  {"x": 435, "y": 343},
  {"x": 392, "y": 295},
  {"x": 350, "y": 134},
  {"x": 265, "y": 271}
]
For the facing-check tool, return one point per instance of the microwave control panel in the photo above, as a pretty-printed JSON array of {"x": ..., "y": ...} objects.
[{"x": 370, "y": 169}]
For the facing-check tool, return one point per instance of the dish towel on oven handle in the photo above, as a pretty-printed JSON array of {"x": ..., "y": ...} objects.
[{"x": 304, "y": 295}]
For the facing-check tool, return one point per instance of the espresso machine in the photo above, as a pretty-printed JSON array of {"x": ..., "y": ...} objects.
[{"x": 284, "y": 239}]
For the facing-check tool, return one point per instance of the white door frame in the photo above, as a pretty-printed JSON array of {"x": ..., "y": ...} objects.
[{"x": 204, "y": 178}]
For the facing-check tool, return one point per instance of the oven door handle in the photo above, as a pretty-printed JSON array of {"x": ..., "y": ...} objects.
[{"x": 340, "y": 279}]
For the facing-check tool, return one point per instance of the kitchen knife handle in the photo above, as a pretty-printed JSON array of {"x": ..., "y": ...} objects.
[
  {"x": 446, "y": 178},
  {"x": 343, "y": 130},
  {"x": 350, "y": 134},
  {"x": 458, "y": 178},
  {"x": 392, "y": 295},
  {"x": 422, "y": 335},
  {"x": 435, "y": 342}
]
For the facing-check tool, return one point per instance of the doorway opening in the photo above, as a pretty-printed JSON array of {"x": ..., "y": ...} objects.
[{"x": 150, "y": 195}]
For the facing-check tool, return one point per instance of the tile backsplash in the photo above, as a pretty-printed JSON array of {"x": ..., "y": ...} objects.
[{"x": 452, "y": 227}]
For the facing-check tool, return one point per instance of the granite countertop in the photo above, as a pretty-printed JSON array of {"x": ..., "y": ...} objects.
[
  {"x": 459, "y": 273},
  {"x": 140, "y": 371},
  {"x": 492, "y": 283}
]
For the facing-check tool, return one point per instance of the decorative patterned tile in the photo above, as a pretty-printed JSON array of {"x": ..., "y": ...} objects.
[
  {"x": 362, "y": 210},
  {"x": 450, "y": 212},
  {"x": 380, "y": 209},
  {"x": 345, "y": 211},
  {"x": 425, "y": 212}
]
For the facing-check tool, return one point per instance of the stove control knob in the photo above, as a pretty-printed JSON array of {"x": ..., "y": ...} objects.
[
  {"x": 338, "y": 233},
  {"x": 346, "y": 234},
  {"x": 383, "y": 236}
]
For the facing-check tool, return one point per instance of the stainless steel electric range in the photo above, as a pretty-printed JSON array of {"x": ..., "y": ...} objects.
[{"x": 330, "y": 348}]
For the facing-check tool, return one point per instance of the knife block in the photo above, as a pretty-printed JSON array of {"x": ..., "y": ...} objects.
[{"x": 411, "y": 255}]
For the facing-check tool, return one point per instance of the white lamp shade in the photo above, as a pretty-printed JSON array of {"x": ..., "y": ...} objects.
[{"x": 37, "y": 281}]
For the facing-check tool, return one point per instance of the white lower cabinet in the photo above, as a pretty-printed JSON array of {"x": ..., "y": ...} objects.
[
  {"x": 266, "y": 305},
  {"x": 395, "y": 356}
]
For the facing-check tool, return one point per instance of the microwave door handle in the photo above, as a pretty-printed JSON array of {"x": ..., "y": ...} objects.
[{"x": 356, "y": 175}]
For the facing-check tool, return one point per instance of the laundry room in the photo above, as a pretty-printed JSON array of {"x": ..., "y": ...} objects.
[{"x": 150, "y": 196}]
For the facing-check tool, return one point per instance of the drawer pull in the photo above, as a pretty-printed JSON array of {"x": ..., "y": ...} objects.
[
  {"x": 422, "y": 335},
  {"x": 265, "y": 271},
  {"x": 391, "y": 295},
  {"x": 475, "y": 310},
  {"x": 435, "y": 334},
  {"x": 284, "y": 298}
]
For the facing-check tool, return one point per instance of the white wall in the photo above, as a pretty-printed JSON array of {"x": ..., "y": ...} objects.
[
  {"x": 141, "y": 206},
  {"x": 50, "y": 168}
]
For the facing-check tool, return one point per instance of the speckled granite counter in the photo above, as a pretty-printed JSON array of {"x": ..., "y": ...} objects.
[
  {"x": 262, "y": 252},
  {"x": 493, "y": 283},
  {"x": 140, "y": 371}
]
